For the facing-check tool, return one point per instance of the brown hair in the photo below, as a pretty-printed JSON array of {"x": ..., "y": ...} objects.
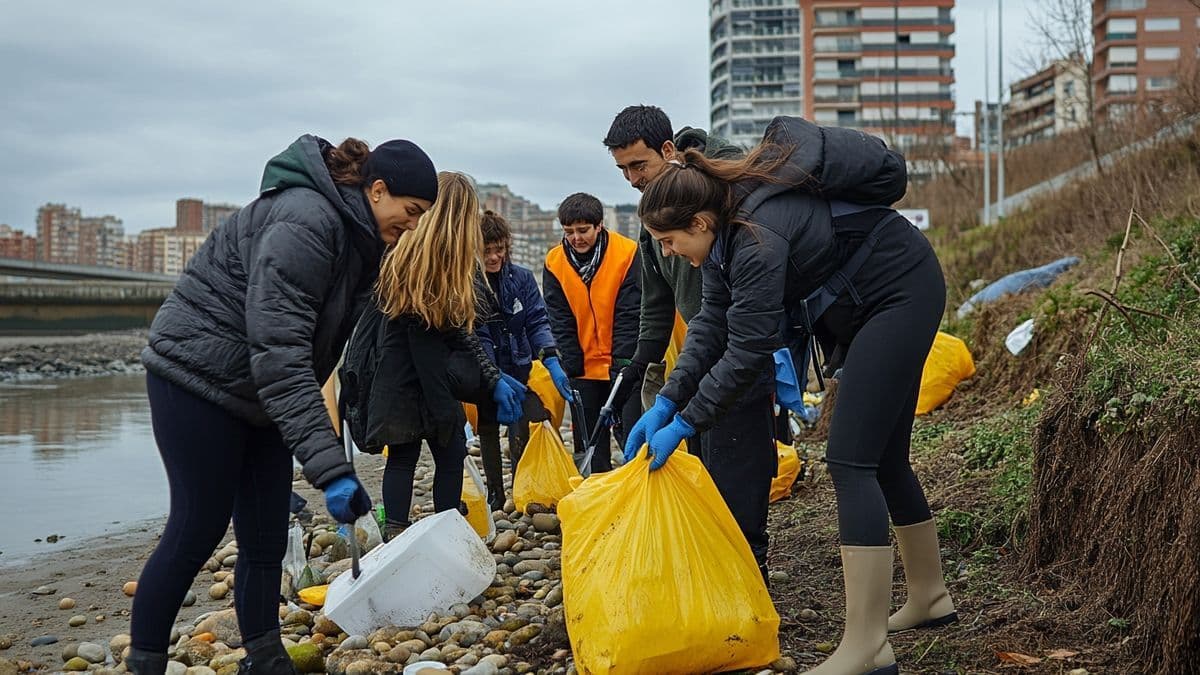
[
  {"x": 701, "y": 184},
  {"x": 346, "y": 160},
  {"x": 495, "y": 228}
]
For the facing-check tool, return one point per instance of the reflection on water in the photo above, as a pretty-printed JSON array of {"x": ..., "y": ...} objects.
[{"x": 77, "y": 459}]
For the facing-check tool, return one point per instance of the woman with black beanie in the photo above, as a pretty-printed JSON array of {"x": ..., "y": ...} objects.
[{"x": 234, "y": 367}]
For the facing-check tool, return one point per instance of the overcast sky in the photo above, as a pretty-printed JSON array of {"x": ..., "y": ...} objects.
[{"x": 121, "y": 108}]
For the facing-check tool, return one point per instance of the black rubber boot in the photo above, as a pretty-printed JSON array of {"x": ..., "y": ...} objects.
[
  {"x": 265, "y": 655},
  {"x": 146, "y": 663},
  {"x": 393, "y": 528}
]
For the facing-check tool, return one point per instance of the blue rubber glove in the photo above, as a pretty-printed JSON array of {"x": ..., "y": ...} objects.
[
  {"x": 347, "y": 499},
  {"x": 650, "y": 422},
  {"x": 559, "y": 376},
  {"x": 668, "y": 439},
  {"x": 508, "y": 399}
]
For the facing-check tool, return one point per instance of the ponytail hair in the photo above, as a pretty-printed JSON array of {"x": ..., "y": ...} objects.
[
  {"x": 699, "y": 184},
  {"x": 345, "y": 162}
]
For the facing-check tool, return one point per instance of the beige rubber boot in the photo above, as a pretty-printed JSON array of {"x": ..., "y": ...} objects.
[
  {"x": 928, "y": 604},
  {"x": 864, "y": 650}
]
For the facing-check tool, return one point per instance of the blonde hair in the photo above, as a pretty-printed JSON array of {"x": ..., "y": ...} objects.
[{"x": 430, "y": 271}]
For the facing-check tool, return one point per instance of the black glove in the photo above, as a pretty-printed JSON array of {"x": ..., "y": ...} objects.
[{"x": 631, "y": 380}]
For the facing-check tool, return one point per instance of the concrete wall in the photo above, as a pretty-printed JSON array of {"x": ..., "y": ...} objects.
[{"x": 79, "y": 306}]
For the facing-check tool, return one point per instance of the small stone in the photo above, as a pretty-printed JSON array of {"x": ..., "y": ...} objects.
[
  {"x": 119, "y": 643},
  {"x": 431, "y": 654},
  {"x": 100, "y": 618},
  {"x": 524, "y": 635},
  {"x": 353, "y": 642},
  {"x": 43, "y": 640},
  {"x": 77, "y": 621},
  {"x": 5, "y": 642},
  {"x": 92, "y": 652},
  {"x": 546, "y": 523},
  {"x": 201, "y": 670},
  {"x": 189, "y": 599},
  {"x": 307, "y": 658},
  {"x": 45, "y": 590},
  {"x": 460, "y": 611},
  {"x": 218, "y": 591},
  {"x": 778, "y": 575},
  {"x": 825, "y": 647},
  {"x": 361, "y": 667},
  {"x": 176, "y": 668},
  {"x": 1078, "y": 671},
  {"x": 70, "y": 651},
  {"x": 129, "y": 588},
  {"x": 323, "y": 624},
  {"x": 785, "y": 664},
  {"x": 482, "y": 668},
  {"x": 66, "y": 603},
  {"x": 498, "y": 660},
  {"x": 397, "y": 655},
  {"x": 504, "y": 541},
  {"x": 76, "y": 664},
  {"x": 555, "y": 597},
  {"x": 808, "y": 614}
]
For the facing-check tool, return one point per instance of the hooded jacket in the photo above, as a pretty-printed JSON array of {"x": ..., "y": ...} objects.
[
  {"x": 784, "y": 248},
  {"x": 671, "y": 283},
  {"x": 518, "y": 331},
  {"x": 259, "y": 317}
]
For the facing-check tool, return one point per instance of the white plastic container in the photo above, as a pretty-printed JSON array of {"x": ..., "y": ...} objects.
[{"x": 437, "y": 562}]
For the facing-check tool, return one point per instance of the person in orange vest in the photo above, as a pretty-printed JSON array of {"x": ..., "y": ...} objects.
[{"x": 593, "y": 300}]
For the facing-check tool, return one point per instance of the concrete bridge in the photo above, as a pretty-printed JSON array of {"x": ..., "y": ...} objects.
[
  {"x": 81, "y": 306},
  {"x": 43, "y": 270}
]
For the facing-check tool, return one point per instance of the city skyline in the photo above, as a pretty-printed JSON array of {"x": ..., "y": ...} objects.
[{"x": 177, "y": 103}]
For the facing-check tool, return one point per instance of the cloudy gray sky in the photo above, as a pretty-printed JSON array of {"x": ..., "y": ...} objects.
[{"x": 121, "y": 108}]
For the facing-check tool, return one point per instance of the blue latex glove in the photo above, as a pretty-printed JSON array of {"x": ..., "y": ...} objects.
[
  {"x": 559, "y": 376},
  {"x": 667, "y": 440},
  {"x": 508, "y": 399},
  {"x": 650, "y": 422},
  {"x": 347, "y": 499}
]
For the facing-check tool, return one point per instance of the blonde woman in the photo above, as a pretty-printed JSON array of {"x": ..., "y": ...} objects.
[{"x": 429, "y": 358}]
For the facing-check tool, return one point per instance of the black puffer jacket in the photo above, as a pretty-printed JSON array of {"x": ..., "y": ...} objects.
[
  {"x": 785, "y": 251},
  {"x": 258, "y": 320}
]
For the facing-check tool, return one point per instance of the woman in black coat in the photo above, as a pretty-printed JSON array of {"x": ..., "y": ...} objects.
[
  {"x": 775, "y": 245},
  {"x": 236, "y": 359}
]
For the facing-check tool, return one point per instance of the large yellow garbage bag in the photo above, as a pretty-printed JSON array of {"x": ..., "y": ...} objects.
[
  {"x": 546, "y": 468},
  {"x": 657, "y": 577},
  {"x": 949, "y": 362},
  {"x": 543, "y": 386},
  {"x": 789, "y": 470},
  {"x": 479, "y": 515}
]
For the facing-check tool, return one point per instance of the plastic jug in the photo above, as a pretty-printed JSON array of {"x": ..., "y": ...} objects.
[{"x": 437, "y": 562}]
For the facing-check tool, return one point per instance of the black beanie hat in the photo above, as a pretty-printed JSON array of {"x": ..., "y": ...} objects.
[{"x": 404, "y": 167}]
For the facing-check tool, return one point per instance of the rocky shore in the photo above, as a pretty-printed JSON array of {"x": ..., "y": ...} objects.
[
  {"x": 31, "y": 358},
  {"x": 515, "y": 626}
]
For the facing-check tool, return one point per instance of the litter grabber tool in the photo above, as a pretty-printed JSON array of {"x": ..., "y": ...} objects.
[
  {"x": 354, "y": 568},
  {"x": 578, "y": 417},
  {"x": 603, "y": 420}
]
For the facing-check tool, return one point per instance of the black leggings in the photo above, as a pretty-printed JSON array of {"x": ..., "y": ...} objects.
[
  {"x": 876, "y": 400},
  {"x": 402, "y": 466},
  {"x": 217, "y": 466}
]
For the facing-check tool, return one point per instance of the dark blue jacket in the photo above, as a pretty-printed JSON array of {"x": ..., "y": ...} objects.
[{"x": 518, "y": 330}]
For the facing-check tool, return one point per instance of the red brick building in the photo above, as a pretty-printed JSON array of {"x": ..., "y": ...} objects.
[{"x": 1142, "y": 47}]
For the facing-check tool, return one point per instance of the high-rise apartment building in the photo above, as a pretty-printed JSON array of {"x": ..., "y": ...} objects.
[
  {"x": 101, "y": 242},
  {"x": 882, "y": 66},
  {"x": 1141, "y": 48},
  {"x": 16, "y": 244},
  {"x": 215, "y": 214},
  {"x": 58, "y": 233},
  {"x": 756, "y": 66},
  {"x": 189, "y": 215},
  {"x": 66, "y": 236},
  {"x": 1047, "y": 103},
  {"x": 534, "y": 229},
  {"x": 165, "y": 250}
]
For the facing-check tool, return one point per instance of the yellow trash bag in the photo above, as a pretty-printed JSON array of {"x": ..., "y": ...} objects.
[
  {"x": 949, "y": 362},
  {"x": 543, "y": 386},
  {"x": 546, "y": 468},
  {"x": 657, "y": 577},
  {"x": 675, "y": 346},
  {"x": 788, "y": 472},
  {"x": 479, "y": 514},
  {"x": 472, "y": 414},
  {"x": 314, "y": 595}
]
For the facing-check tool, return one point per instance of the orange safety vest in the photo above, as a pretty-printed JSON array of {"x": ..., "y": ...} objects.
[{"x": 595, "y": 306}]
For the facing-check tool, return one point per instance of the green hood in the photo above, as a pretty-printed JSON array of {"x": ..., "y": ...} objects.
[
  {"x": 713, "y": 147},
  {"x": 302, "y": 164}
]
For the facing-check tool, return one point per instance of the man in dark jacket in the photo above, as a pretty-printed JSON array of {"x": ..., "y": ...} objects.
[
  {"x": 592, "y": 300},
  {"x": 739, "y": 450}
]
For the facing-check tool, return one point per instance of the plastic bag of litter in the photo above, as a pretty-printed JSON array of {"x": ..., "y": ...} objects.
[
  {"x": 688, "y": 596},
  {"x": 545, "y": 471},
  {"x": 294, "y": 558},
  {"x": 1019, "y": 338},
  {"x": 479, "y": 515}
]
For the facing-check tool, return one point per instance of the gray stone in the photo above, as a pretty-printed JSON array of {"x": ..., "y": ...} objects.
[
  {"x": 482, "y": 668},
  {"x": 91, "y": 651},
  {"x": 353, "y": 642},
  {"x": 43, "y": 640},
  {"x": 176, "y": 668}
]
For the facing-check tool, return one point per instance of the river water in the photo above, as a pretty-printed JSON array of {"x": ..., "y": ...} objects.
[{"x": 77, "y": 460}]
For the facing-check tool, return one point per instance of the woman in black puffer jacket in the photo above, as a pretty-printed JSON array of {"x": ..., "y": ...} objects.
[{"x": 235, "y": 363}]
